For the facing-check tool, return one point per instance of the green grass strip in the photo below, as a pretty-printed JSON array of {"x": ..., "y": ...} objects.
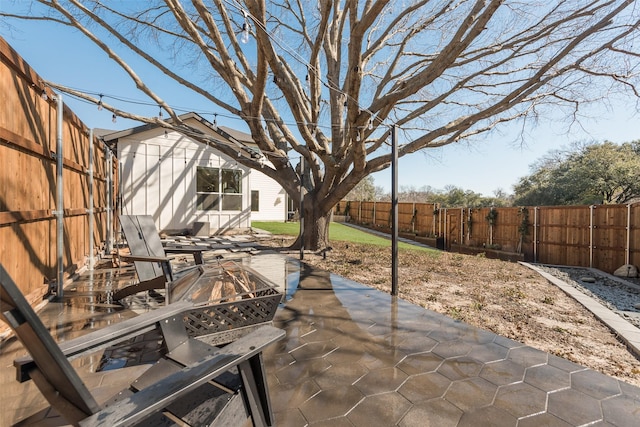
[{"x": 337, "y": 232}]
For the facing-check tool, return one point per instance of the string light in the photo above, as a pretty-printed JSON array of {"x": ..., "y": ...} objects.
[
  {"x": 160, "y": 113},
  {"x": 113, "y": 118},
  {"x": 100, "y": 103},
  {"x": 244, "y": 35},
  {"x": 44, "y": 94}
]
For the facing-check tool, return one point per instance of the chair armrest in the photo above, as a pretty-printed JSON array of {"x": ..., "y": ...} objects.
[
  {"x": 106, "y": 337},
  {"x": 145, "y": 258},
  {"x": 150, "y": 400}
]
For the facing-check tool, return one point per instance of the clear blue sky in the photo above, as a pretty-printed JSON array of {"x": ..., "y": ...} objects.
[{"x": 64, "y": 56}]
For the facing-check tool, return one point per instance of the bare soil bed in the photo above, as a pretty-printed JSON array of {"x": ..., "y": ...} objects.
[{"x": 504, "y": 297}]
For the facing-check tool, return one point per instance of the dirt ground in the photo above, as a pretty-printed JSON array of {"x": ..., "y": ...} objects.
[{"x": 504, "y": 297}]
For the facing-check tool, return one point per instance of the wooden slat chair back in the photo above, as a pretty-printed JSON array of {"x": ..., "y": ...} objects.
[
  {"x": 52, "y": 370},
  {"x": 149, "y": 256},
  {"x": 167, "y": 389},
  {"x": 144, "y": 241}
]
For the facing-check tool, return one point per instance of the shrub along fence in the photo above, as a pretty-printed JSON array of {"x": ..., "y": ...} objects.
[
  {"x": 600, "y": 236},
  {"x": 29, "y": 134}
]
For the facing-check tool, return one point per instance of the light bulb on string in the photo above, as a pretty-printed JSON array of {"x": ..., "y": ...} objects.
[
  {"x": 358, "y": 135},
  {"x": 160, "y": 113},
  {"x": 215, "y": 120},
  {"x": 244, "y": 35},
  {"x": 114, "y": 118},
  {"x": 44, "y": 95},
  {"x": 370, "y": 124},
  {"x": 100, "y": 103}
]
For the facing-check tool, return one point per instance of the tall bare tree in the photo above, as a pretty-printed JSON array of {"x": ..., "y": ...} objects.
[{"x": 325, "y": 80}]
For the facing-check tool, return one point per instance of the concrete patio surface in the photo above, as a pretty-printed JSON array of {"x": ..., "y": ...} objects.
[{"x": 354, "y": 356}]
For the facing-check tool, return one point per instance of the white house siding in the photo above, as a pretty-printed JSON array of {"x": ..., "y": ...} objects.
[
  {"x": 158, "y": 179},
  {"x": 273, "y": 199}
]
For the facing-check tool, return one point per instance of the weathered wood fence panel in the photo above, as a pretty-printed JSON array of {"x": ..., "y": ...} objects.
[
  {"x": 28, "y": 135},
  {"x": 603, "y": 236}
]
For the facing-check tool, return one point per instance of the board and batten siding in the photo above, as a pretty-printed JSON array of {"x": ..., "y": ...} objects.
[
  {"x": 159, "y": 179},
  {"x": 273, "y": 198}
]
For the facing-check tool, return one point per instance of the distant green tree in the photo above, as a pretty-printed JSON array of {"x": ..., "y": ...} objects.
[{"x": 587, "y": 173}]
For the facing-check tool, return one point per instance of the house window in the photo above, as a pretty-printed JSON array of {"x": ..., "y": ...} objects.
[
  {"x": 255, "y": 201},
  {"x": 218, "y": 189}
]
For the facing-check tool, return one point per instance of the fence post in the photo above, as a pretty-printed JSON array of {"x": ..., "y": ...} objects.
[
  {"x": 591, "y": 235},
  {"x": 535, "y": 234},
  {"x": 413, "y": 218},
  {"x": 373, "y": 220},
  {"x": 462, "y": 226},
  {"x": 627, "y": 249}
]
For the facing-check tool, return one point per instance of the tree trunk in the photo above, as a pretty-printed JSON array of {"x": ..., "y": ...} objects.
[{"x": 316, "y": 227}]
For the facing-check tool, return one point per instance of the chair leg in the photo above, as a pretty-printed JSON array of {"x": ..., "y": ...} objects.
[{"x": 255, "y": 388}]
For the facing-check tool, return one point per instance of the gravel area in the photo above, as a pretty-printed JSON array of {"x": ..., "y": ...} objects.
[{"x": 622, "y": 295}]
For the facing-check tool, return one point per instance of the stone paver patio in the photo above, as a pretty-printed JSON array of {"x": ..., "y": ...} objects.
[{"x": 354, "y": 356}]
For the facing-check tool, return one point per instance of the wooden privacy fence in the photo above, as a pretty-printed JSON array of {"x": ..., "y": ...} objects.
[
  {"x": 28, "y": 181},
  {"x": 601, "y": 236}
]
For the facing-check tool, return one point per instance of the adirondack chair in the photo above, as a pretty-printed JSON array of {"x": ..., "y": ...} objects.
[
  {"x": 179, "y": 388},
  {"x": 149, "y": 256}
]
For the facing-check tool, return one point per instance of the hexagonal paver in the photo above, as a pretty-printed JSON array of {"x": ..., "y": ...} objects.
[
  {"x": 304, "y": 369},
  {"x": 435, "y": 412},
  {"x": 450, "y": 349},
  {"x": 340, "y": 375},
  {"x": 292, "y": 395},
  {"x": 527, "y": 356},
  {"x": 620, "y": 409},
  {"x": 415, "y": 343},
  {"x": 489, "y": 352},
  {"x": 595, "y": 384},
  {"x": 574, "y": 407},
  {"x": 487, "y": 416},
  {"x": 547, "y": 378},
  {"x": 386, "y": 409},
  {"x": 471, "y": 393},
  {"x": 521, "y": 400},
  {"x": 313, "y": 350},
  {"x": 318, "y": 335},
  {"x": 331, "y": 403},
  {"x": 292, "y": 417},
  {"x": 424, "y": 387},
  {"x": 459, "y": 368},
  {"x": 381, "y": 380},
  {"x": 564, "y": 364},
  {"x": 544, "y": 419},
  {"x": 420, "y": 363},
  {"x": 380, "y": 356},
  {"x": 503, "y": 372}
]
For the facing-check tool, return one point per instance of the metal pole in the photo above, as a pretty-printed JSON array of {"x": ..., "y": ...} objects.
[
  {"x": 394, "y": 211},
  {"x": 60, "y": 201},
  {"x": 90, "y": 210},
  {"x": 301, "y": 207},
  {"x": 109, "y": 208}
]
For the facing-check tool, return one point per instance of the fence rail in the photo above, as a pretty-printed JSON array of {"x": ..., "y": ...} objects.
[{"x": 600, "y": 236}]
